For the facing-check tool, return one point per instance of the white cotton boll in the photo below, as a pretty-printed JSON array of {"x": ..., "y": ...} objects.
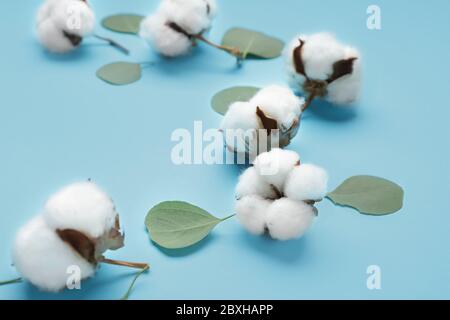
[
  {"x": 74, "y": 16},
  {"x": 288, "y": 219},
  {"x": 43, "y": 259},
  {"x": 162, "y": 38},
  {"x": 281, "y": 104},
  {"x": 346, "y": 89},
  {"x": 52, "y": 38},
  {"x": 83, "y": 207},
  {"x": 250, "y": 183},
  {"x": 251, "y": 213},
  {"x": 45, "y": 10},
  {"x": 307, "y": 182},
  {"x": 240, "y": 124},
  {"x": 193, "y": 16},
  {"x": 274, "y": 166},
  {"x": 319, "y": 53},
  {"x": 57, "y": 17}
]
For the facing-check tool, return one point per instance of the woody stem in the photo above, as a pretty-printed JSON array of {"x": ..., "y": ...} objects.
[
  {"x": 135, "y": 265},
  {"x": 113, "y": 43},
  {"x": 308, "y": 101},
  {"x": 231, "y": 50}
]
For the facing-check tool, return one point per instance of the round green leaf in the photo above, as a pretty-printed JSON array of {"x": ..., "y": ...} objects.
[
  {"x": 176, "y": 225},
  {"x": 120, "y": 73},
  {"x": 253, "y": 43},
  {"x": 124, "y": 23},
  {"x": 223, "y": 99},
  {"x": 369, "y": 195}
]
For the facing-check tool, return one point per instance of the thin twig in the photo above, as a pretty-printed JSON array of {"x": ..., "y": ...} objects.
[
  {"x": 229, "y": 217},
  {"x": 130, "y": 288},
  {"x": 113, "y": 43},
  {"x": 231, "y": 50},
  {"x": 308, "y": 102},
  {"x": 135, "y": 265},
  {"x": 17, "y": 280}
]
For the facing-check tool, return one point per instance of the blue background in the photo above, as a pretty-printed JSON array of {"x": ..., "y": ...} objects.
[{"x": 60, "y": 124}]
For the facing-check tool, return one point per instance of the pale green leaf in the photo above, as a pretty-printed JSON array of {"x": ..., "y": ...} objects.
[
  {"x": 176, "y": 225},
  {"x": 120, "y": 73},
  {"x": 369, "y": 195},
  {"x": 253, "y": 43},
  {"x": 223, "y": 99},
  {"x": 124, "y": 23}
]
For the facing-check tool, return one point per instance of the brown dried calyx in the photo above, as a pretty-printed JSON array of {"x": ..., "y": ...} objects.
[
  {"x": 92, "y": 249},
  {"x": 270, "y": 124},
  {"x": 318, "y": 88},
  {"x": 194, "y": 37},
  {"x": 74, "y": 39}
]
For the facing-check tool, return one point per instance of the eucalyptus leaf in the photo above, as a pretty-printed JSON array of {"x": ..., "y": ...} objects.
[
  {"x": 223, "y": 99},
  {"x": 176, "y": 224},
  {"x": 369, "y": 195},
  {"x": 253, "y": 43},
  {"x": 120, "y": 73},
  {"x": 123, "y": 23}
]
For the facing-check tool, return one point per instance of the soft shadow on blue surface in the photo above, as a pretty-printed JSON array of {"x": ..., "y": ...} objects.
[
  {"x": 83, "y": 52},
  {"x": 330, "y": 112},
  {"x": 288, "y": 252},
  {"x": 90, "y": 287},
  {"x": 201, "y": 58}
]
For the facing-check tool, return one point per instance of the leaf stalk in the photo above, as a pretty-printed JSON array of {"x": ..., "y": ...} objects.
[{"x": 113, "y": 43}]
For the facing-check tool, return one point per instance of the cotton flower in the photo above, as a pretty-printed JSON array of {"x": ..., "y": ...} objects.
[
  {"x": 43, "y": 258},
  {"x": 62, "y": 24},
  {"x": 307, "y": 182},
  {"x": 273, "y": 195},
  {"x": 322, "y": 67},
  {"x": 77, "y": 225},
  {"x": 173, "y": 27},
  {"x": 250, "y": 183},
  {"x": 273, "y": 167},
  {"x": 252, "y": 211},
  {"x": 81, "y": 206},
  {"x": 273, "y": 114},
  {"x": 289, "y": 219},
  {"x": 281, "y": 104}
]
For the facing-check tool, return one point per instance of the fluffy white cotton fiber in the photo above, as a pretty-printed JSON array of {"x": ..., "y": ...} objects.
[
  {"x": 42, "y": 258},
  {"x": 252, "y": 213},
  {"x": 281, "y": 104},
  {"x": 250, "y": 183},
  {"x": 169, "y": 30},
  {"x": 83, "y": 207},
  {"x": 240, "y": 125},
  {"x": 77, "y": 225},
  {"x": 307, "y": 182},
  {"x": 289, "y": 219},
  {"x": 274, "y": 166},
  {"x": 62, "y": 24},
  {"x": 164, "y": 39},
  {"x": 318, "y": 55},
  {"x": 280, "y": 203},
  {"x": 243, "y": 120}
]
